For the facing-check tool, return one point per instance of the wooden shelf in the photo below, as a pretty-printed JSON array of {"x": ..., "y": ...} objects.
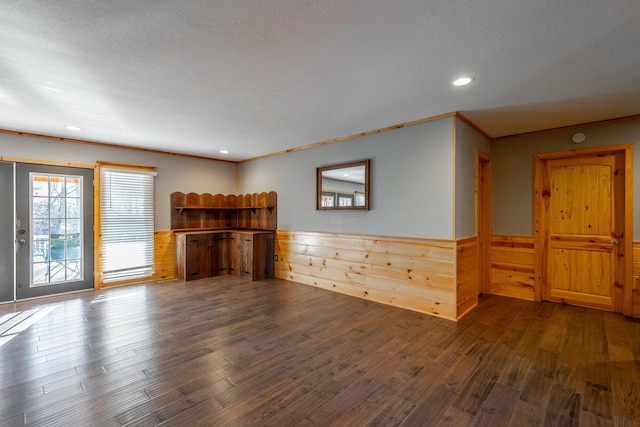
[
  {"x": 218, "y": 208},
  {"x": 204, "y": 230},
  {"x": 207, "y": 211}
]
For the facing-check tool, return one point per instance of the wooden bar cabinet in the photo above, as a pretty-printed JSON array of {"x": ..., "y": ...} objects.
[{"x": 217, "y": 235}]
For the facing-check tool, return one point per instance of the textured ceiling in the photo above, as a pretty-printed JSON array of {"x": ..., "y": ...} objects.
[{"x": 256, "y": 77}]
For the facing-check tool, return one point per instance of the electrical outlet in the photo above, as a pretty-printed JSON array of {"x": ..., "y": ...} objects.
[{"x": 276, "y": 257}]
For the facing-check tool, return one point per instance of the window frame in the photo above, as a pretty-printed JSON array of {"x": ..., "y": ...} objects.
[{"x": 123, "y": 167}]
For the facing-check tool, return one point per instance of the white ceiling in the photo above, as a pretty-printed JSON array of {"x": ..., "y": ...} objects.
[{"x": 256, "y": 76}]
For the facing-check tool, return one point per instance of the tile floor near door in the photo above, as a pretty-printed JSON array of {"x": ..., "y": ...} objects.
[{"x": 225, "y": 351}]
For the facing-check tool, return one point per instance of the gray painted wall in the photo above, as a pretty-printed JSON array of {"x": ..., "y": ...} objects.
[
  {"x": 411, "y": 183},
  {"x": 468, "y": 142},
  {"x": 175, "y": 173},
  {"x": 513, "y": 170}
]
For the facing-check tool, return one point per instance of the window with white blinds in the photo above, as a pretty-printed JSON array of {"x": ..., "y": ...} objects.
[{"x": 127, "y": 224}]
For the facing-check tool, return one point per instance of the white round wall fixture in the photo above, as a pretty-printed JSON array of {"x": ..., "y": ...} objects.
[{"x": 578, "y": 137}]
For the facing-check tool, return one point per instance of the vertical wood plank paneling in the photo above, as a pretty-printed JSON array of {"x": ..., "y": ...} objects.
[
  {"x": 512, "y": 267},
  {"x": 417, "y": 274},
  {"x": 467, "y": 275},
  {"x": 164, "y": 266}
]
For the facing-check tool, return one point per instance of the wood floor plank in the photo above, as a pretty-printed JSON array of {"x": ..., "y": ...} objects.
[
  {"x": 142, "y": 410},
  {"x": 454, "y": 417},
  {"x": 564, "y": 407},
  {"x": 477, "y": 389},
  {"x": 392, "y": 413},
  {"x": 225, "y": 351},
  {"x": 526, "y": 414},
  {"x": 498, "y": 407}
]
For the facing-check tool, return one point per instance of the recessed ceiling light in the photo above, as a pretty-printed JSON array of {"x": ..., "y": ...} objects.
[
  {"x": 224, "y": 151},
  {"x": 462, "y": 81},
  {"x": 74, "y": 128}
]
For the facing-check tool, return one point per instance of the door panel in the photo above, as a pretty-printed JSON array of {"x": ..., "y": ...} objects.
[
  {"x": 221, "y": 256},
  {"x": 54, "y": 222},
  {"x": 7, "y": 246},
  {"x": 582, "y": 229},
  {"x": 199, "y": 259}
]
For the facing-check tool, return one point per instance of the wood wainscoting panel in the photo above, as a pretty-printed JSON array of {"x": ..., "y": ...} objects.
[
  {"x": 417, "y": 274},
  {"x": 164, "y": 247},
  {"x": 636, "y": 280},
  {"x": 467, "y": 275},
  {"x": 512, "y": 267}
]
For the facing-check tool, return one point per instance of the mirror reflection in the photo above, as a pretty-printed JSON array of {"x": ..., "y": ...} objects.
[{"x": 343, "y": 186}]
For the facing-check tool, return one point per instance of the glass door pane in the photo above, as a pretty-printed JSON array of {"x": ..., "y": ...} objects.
[{"x": 56, "y": 228}]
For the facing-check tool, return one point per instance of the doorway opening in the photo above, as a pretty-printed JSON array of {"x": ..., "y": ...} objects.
[{"x": 483, "y": 221}]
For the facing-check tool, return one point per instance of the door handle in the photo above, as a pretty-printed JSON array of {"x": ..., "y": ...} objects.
[{"x": 616, "y": 241}]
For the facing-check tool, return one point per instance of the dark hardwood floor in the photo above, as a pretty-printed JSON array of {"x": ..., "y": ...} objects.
[{"x": 224, "y": 351}]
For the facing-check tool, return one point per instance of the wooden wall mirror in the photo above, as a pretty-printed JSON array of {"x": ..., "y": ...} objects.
[{"x": 343, "y": 186}]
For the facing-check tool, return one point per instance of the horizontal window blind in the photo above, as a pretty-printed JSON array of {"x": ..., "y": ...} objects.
[{"x": 127, "y": 224}]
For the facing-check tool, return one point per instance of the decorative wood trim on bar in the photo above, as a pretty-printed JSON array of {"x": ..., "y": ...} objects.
[
  {"x": 417, "y": 274},
  {"x": 512, "y": 267},
  {"x": 635, "y": 299}
]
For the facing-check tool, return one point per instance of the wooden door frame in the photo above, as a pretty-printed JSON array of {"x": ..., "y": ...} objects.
[
  {"x": 541, "y": 221},
  {"x": 483, "y": 219}
]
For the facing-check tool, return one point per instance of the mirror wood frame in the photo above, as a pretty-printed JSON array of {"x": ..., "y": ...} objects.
[{"x": 367, "y": 197}]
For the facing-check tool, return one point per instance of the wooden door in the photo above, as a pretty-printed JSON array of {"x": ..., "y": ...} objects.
[{"x": 583, "y": 232}]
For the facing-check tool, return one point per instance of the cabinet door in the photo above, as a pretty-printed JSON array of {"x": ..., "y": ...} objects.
[
  {"x": 198, "y": 263},
  {"x": 241, "y": 247},
  {"x": 263, "y": 254},
  {"x": 220, "y": 254}
]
